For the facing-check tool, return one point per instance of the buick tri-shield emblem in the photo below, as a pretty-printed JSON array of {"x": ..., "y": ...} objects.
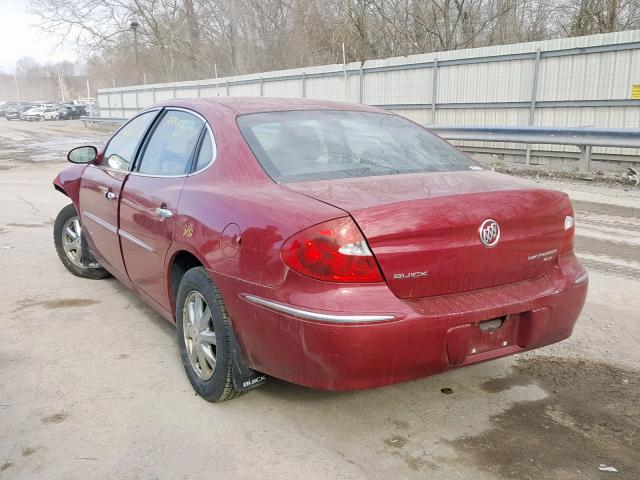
[{"x": 489, "y": 233}]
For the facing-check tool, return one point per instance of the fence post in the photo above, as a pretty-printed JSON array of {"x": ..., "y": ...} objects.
[
  {"x": 109, "y": 105},
  {"x": 434, "y": 92},
  {"x": 534, "y": 97},
  {"x": 361, "y": 85},
  {"x": 585, "y": 159},
  {"x": 124, "y": 115},
  {"x": 304, "y": 85}
]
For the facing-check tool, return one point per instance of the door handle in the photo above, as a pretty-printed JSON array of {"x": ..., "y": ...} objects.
[
  {"x": 109, "y": 195},
  {"x": 164, "y": 212}
]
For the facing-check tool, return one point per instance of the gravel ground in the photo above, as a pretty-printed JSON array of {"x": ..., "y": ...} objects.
[{"x": 91, "y": 384}]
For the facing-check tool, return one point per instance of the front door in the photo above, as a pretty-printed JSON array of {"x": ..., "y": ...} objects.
[
  {"x": 150, "y": 199},
  {"x": 100, "y": 191}
]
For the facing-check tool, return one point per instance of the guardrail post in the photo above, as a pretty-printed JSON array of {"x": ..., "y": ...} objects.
[
  {"x": 304, "y": 85},
  {"x": 124, "y": 115},
  {"x": 174, "y": 91},
  {"x": 261, "y": 87},
  {"x": 434, "y": 91},
  {"x": 534, "y": 97},
  {"x": 109, "y": 104},
  {"x": 585, "y": 159},
  {"x": 137, "y": 101},
  {"x": 198, "y": 89},
  {"x": 227, "y": 82},
  {"x": 153, "y": 94}
]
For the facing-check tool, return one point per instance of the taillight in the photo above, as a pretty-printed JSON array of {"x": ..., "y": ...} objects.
[
  {"x": 567, "y": 237},
  {"x": 334, "y": 251}
]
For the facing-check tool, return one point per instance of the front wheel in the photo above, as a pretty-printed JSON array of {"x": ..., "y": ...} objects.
[
  {"x": 72, "y": 249},
  {"x": 204, "y": 337}
]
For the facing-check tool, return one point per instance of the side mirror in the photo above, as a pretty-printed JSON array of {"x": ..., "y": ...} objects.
[{"x": 82, "y": 154}]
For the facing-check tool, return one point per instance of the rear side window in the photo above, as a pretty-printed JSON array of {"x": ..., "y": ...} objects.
[
  {"x": 171, "y": 145},
  {"x": 317, "y": 145},
  {"x": 122, "y": 146},
  {"x": 207, "y": 152}
]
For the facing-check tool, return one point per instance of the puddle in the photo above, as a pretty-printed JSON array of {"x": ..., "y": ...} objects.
[
  {"x": 591, "y": 417},
  {"x": 55, "y": 304}
]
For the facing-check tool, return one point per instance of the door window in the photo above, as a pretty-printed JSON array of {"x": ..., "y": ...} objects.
[
  {"x": 171, "y": 146},
  {"x": 121, "y": 149}
]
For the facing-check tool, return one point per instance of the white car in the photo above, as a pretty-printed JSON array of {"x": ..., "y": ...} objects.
[
  {"x": 51, "y": 114},
  {"x": 36, "y": 113}
]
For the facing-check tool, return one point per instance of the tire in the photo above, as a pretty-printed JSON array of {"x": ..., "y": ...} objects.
[
  {"x": 219, "y": 386},
  {"x": 85, "y": 266}
]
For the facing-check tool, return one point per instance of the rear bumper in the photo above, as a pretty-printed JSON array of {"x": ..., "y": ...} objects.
[{"x": 426, "y": 336}]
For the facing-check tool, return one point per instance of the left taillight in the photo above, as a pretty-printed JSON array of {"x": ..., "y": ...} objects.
[{"x": 333, "y": 251}]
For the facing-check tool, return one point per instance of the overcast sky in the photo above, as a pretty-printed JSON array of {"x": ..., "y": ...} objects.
[{"x": 20, "y": 37}]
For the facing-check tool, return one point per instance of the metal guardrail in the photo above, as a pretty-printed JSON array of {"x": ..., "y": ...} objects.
[
  {"x": 92, "y": 120},
  {"x": 583, "y": 138}
]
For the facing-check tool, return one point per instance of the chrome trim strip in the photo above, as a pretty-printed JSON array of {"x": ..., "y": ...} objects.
[
  {"x": 581, "y": 279},
  {"x": 135, "y": 240},
  {"x": 100, "y": 221},
  {"x": 307, "y": 315}
]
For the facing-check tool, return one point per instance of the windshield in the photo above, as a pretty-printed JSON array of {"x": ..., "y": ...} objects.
[{"x": 319, "y": 145}]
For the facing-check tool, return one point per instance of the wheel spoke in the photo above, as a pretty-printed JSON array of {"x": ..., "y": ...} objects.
[
  {"x": 191, "y": 351},
  {"x": 77, "y": 227},
  {"x": 208, "y": 353},
  {"x": 205, "y": 318},
  {"x": 71, "y": 233},
  {"x": 198, "y": 307},
  {"x": 191, "y": 312},
  {"x": 202, "y": 361},
  {"x": 208, "y": 337}
]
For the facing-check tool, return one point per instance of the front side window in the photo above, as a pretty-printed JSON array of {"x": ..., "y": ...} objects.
[
  {"x": 121, "y": 150},
  {"x": 171, "y": 145},
  {"x": 320, "y": 145}
]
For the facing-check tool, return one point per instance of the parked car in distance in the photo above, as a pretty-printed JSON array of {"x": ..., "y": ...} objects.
[
  {"x": 331, "y": 245},
  {"x": 33, "y": 114},
  {"x": 52, "y": 113},
  {"x": 15, "y": 113}
]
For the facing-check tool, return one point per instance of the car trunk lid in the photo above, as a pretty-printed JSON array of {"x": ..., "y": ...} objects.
[{"x": 424, "y": 229}]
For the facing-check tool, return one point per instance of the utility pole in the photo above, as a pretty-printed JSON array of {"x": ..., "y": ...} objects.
[
  {"x": 15, "y": 76},
  {"x": 134, "y": 28}
]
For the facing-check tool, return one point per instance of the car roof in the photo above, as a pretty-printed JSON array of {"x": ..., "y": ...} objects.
[{"x": 246, "y": 105}]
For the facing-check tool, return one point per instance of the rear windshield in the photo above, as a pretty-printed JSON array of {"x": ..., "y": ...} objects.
[{"x": 319, "y": 145}]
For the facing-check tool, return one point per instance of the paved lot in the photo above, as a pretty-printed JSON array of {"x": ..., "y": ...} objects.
[{"x": 91, "y": 384}]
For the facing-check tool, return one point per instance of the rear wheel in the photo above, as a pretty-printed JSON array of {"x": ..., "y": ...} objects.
[
  {"x": 203, "y": 331},
  {"x": 72, "y": 249}
]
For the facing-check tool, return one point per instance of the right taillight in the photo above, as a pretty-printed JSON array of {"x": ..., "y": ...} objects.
[
  {"x": 333, "y": 251},
  {"x": 567, "y": 237}
]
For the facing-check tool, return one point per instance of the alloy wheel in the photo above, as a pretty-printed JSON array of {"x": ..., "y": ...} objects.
[
  {"x": 199, "y": 335},
  {"x": 72, "y": 241}
]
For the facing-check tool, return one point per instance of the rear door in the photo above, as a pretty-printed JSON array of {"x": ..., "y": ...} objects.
[
  {"x": 100, "y": 190},
  {"x": 150, "y": 198}
]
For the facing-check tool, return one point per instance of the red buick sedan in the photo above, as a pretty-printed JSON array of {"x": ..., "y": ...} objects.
[{"x": 331, "y": 245}]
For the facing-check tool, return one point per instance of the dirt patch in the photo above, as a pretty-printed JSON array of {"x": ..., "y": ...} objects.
[
  {"x": 27, "y": 225},
  {"x": 55, "y": 304},
  {"x": 591, "y": 417},
  {"x": 396, "y": 441},
  {"x": 5, "y": 465},
  {"x": 56, "y": 418},
  {"x": 28, "y": 451}
]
